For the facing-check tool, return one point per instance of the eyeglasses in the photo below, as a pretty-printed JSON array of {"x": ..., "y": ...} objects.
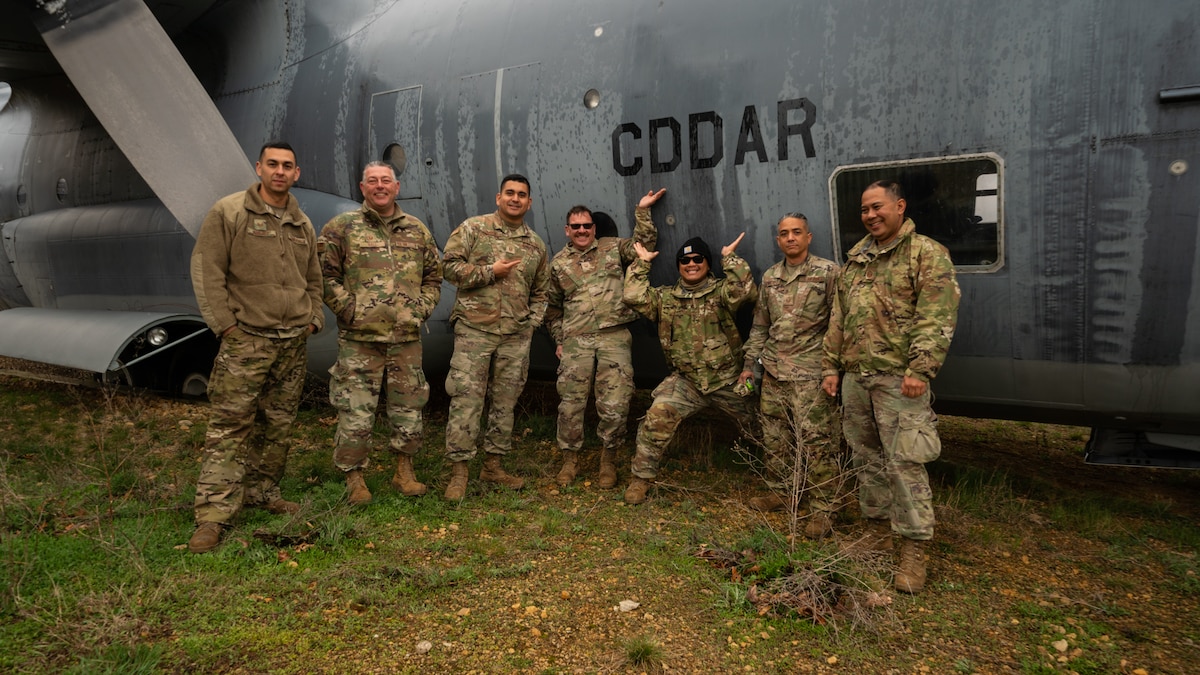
[
  {"x": 691, "y": 259},
  {"x": 577, "y": 226}
]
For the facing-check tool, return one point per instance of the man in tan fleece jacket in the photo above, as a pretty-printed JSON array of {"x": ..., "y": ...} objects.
[{"x": 258, "y": 285}]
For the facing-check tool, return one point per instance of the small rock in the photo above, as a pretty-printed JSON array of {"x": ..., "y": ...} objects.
[
  {"x": 424, "y": 646},
  {"x": 464, "y": 611},
  {"x": 832, "y": 660},
  {"x": 1059, "y": 645},
  {"x": 628, "y": 605}
]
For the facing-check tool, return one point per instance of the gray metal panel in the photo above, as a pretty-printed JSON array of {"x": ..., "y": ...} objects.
[
  {"x": 139, "y": 87},
  {"x": 85, "y": 339}
]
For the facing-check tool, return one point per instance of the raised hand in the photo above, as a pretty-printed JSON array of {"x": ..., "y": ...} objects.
[
  {"x": 732, "y": 247},
  {"x": 650, "y": 198}
]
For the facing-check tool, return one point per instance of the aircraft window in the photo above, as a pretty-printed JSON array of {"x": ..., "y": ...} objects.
[
  {"x": 60, "y": 190},
  {"x": 956, "y": 200},
  {"x": 394, "y": 154},
  {"x": 5, "y": 94},
  {"x": 591, "y": 99}
]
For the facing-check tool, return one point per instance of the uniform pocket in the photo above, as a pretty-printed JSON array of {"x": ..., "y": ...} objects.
[{"x": 917, "y": 440}]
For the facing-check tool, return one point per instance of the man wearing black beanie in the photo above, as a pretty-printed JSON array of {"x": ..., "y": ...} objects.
[{"x": 700, "y": 341}]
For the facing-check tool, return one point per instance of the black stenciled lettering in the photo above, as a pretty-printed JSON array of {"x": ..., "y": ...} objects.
[
  {"x": 716, "y": 126},
  {"x": 750, "y": 137},
  {"x": 621, "y": 168},
  {"x": 676, "y": 145},
  {"x": 804, "y": 127}
]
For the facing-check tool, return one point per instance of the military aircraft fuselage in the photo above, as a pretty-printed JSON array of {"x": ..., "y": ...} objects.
[{"x": 1053, "y": 148}]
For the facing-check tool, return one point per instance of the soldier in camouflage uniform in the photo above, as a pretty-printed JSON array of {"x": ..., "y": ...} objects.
[
  {"x": 258, "y": 285},
  {"x": 502, "y": 273},
  {"x": 588, "y": 321},
  {"x": 383, "y": 277},
  {"x": 800, "y": 436},
  {"x": 700, "y": 341},
  {"x": 893, "y": 318}
]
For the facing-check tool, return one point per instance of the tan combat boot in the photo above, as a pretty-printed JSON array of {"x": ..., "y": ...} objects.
[
  {"x": 608, "y": 468},
  {"x": 280, "y": 506},
  {"x": 567, "y": 473},
  {"x": 494, "y": 473},
  {"x": 405, "y": 480},
  {"x": 636, "y": 492},
  {"x": 357, "y": 488},
  {"x": 819, "y": 525},
  {"x": 771, "y": 502},
  {"x": 877, "y": 538},
  {"x": 457, "y": 489},
  {"x": 910, "y": 578},
  {"x": 205, "y": 538}
]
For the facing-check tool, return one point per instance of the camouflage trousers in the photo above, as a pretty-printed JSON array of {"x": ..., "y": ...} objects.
[
  {"x": 801, "y": 443},
  {"x": 254, "y": 391},
  {"x": 892, "y": 437},
  {"x": 601, "y": 359},
  {"x": 675, "y": 400},
  {"x": 486, "y": 370},
  {"x": 362, "y": 370}
]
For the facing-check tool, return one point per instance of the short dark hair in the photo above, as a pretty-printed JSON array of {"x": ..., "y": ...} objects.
[
  {"x": 518, "y": 178},
  {"x": 889, "y": 186},
  {"x": 577, "y": 210},
  {"x": 278, "y": 145}
]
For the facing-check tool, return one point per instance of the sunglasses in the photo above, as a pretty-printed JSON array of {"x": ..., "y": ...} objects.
[
  {"x": 584, "y": 226},
  {"x": 691, "y": 259}
]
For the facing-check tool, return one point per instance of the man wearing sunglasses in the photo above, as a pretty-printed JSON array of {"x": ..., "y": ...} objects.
[
  {"x": 700, "y": 341},
  {"x": 588, "y": 322}
]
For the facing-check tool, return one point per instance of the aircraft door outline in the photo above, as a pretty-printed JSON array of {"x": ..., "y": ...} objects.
[{"x": 394, "y": 124}]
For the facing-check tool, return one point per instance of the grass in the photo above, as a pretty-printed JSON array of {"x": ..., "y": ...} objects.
[
  {"x": 95, "y": 497},
  {"x": 645, "y": 654}
]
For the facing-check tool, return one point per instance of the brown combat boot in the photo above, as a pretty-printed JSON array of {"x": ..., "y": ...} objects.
[
  {"x": 910, "y": 578},
  {"x": 205, "y": 538},
  {"x": 636, "y": 492},
  {"x": 357, "y": 488},
  {"x": 608, "y": 468},
  {"x": 877, "y": 538},
  {"x": 819, "y": 525},
  {"x": 457, "y": 489},
  {"x": 771, "y": 502},
  {"x": 567, "y": 473},
  {"x": 494, "y": 473},
  {"x": 405, "y": 479},
  {"x": 280, "y": 506}
]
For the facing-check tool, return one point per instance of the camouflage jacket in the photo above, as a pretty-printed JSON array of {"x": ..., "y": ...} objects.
[
  {"x": 383, "y": 276},
  {"x": 696, "y": 328},
  {"x": 503, "y": 306},
  {"x": 791, "y": 317},
  {"x": 586, "y": 286},
  {"x": 895, "y": 308},
  {"x": 255, "y": 270}
]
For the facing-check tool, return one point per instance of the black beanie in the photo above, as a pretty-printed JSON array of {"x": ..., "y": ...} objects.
[{"x": 697, "y": 246}]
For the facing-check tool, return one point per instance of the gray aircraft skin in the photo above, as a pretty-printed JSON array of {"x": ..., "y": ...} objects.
[{"x": 1054, "y": 148}]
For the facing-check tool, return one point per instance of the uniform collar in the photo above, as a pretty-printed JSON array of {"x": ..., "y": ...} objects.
[
  {"x": 256, "y": 204},
  {"x": 867, "y": 248},
  {"x": 397, "y": 219}
]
